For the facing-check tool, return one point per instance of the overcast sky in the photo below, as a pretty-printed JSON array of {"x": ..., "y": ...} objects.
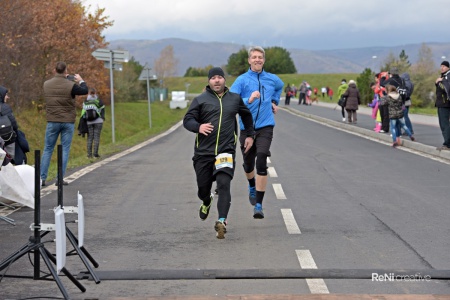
[{"x": 310, "y": 24}]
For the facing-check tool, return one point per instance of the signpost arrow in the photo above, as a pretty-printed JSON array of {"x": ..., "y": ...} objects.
[{"x": 112, "y": 59}]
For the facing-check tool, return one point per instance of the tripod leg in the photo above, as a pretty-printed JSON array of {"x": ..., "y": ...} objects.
[
  {"x": 74, "y": 243},
  {"x": 65, "y": 271},
  {"x": 9, "y": 220},
  {"x": 46, "y": 259},
  {"x": 88, "y": 255},
  {"x": 16, "y": 255}
]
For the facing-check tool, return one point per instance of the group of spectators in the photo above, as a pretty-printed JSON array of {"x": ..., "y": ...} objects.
[
  {"x": 392, "y": 101},
  {"x": 307, "y": 93},
  {"x": 59, "y": 93}
]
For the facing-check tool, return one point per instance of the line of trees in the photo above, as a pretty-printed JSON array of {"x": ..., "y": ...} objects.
[{"x": 278, "y": 61}]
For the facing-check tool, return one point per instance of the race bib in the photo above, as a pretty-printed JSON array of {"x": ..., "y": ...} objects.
[{"x": 224, "y": 160}]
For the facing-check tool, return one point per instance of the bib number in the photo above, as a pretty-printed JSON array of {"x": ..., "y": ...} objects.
[{"x": 224, "y": 160}]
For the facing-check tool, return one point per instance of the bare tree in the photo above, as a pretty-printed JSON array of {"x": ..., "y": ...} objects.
[
  {"x": 166, "y": 64},
  {"x": 423, "y": 74}
]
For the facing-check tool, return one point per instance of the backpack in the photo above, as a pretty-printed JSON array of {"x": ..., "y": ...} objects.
[
  {"x": 6, "y": 129},
  {"x": 92, "y": 109},
  {"x": 409, "y": 86}
]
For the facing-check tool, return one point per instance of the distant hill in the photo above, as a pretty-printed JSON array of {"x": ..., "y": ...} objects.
[{"x": 200, "y": 54}]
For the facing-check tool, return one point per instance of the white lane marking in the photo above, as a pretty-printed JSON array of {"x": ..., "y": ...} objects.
[
  {"x": 49, "y": 189},
  {"x": 272, "y": 172},
  {"x": 290, "y": 222},
  {"x": 278, "y": 191},
  {"x": 316, "y": 285}
]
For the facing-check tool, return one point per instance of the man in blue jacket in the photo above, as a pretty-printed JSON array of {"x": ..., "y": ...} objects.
[{"x": 261, "y": 93}]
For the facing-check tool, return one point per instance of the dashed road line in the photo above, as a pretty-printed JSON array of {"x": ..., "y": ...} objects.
[
  {"x": 316, "y": 286},
  {"x": 289, "y": 220},
  {"x": 272, "y": 172},
  {"x": 278, "y": 191}
]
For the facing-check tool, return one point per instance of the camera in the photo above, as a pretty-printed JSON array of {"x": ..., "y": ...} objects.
[{"x": 71, "y": 77}]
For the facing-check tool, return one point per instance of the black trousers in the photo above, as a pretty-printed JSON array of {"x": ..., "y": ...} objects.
[{"x": 384, "y": 113}]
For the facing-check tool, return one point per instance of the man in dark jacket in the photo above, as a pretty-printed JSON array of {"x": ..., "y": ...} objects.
[
  {"x": 6, "y": 110},
  {"x": 59, "y": 93},
  {"x": 212, "y": 116},
  {"x": 443, "y": 103}
]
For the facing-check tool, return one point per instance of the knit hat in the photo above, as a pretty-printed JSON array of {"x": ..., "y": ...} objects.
[
  {"x": 445, "y": 63},
  {"x": 215, "y": 71},
  {"x": 351, "y": 81}
]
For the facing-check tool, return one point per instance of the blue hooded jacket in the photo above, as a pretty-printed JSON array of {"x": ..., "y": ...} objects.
[{"x": 270, "y": 87}]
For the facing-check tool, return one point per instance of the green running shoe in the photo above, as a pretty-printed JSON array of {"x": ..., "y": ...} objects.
[{"x": 204, "y": 210}]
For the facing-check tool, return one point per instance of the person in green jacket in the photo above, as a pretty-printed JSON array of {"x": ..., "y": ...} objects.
[{"x": 341, "y": 90}]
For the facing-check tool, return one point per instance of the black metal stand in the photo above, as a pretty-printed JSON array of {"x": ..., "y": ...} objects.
[
  {"x": 36, "y": 246},
  {"x": 80, "y": 251}
]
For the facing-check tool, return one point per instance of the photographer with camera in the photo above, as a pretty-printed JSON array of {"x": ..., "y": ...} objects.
[{"x": 59, "y": 93}]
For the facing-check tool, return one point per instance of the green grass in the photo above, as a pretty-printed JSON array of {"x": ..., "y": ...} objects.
[{"x": 131, "y": 127}]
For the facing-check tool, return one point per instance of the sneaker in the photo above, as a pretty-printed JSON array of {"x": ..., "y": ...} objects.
[
  {"x": 394, "y": 144},
  {"x": 221, "y": 229},
  {"x": 252, "y": 195},
  {"x": 64, "y": 182},
  {"x": 413, "y": 138},
  {"x": 382, "y": 131},
  {"x": 343, "y": 119},
  {"x": 204, "y": 210},
  {"x": 43, "y": 183},
  {"x": 258, "y": 212}
]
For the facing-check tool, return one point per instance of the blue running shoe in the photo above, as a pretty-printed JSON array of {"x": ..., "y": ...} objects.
[
  {"x": 252, "y": 195},
  {"x": 258, "y": 211}
]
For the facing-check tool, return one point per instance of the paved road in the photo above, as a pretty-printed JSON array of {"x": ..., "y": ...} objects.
[
  {"x": 426, "y": 128},
  {"x": 335, "y": 205}
]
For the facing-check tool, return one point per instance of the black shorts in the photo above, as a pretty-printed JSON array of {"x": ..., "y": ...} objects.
[
  {"x": 205, "y": 171},
  {"x": 261, "y": 144}
]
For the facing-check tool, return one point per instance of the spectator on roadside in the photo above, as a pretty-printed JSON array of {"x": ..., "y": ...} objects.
[
  {"x": 383, "y": 109},
  {"x": 443, "y": 103},
  {"x": 410, "y": 89},
  {"x": 6, "y": 110},
  {"x": 393, "y": 78},
  {"x": 353, "y": 100},
  {"x": 94, "y": 113},
  {"x": 324, "y": 92},
  {"x": 341, "y": 90},
  {"x": 330, "y": 93},
  {"x": 375, "y": 111},
  {"x": 261, "y": 92},
  {"x": 59, "y": 94},
  {"x": 288, "y": 92},
  {"x": 210, "y": 115},
  {"x": 302, "y": 96},
  {"x": 394, "y": 102},
  {"x": 294, "y": 90}
]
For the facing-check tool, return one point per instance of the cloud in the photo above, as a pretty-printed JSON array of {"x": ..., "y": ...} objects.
[{"x": 320, "y": 24}]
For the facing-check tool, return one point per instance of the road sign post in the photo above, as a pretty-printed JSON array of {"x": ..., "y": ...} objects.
[
  {"x": 112, "y": 59},
  {"x": 145, "y": 75}
]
